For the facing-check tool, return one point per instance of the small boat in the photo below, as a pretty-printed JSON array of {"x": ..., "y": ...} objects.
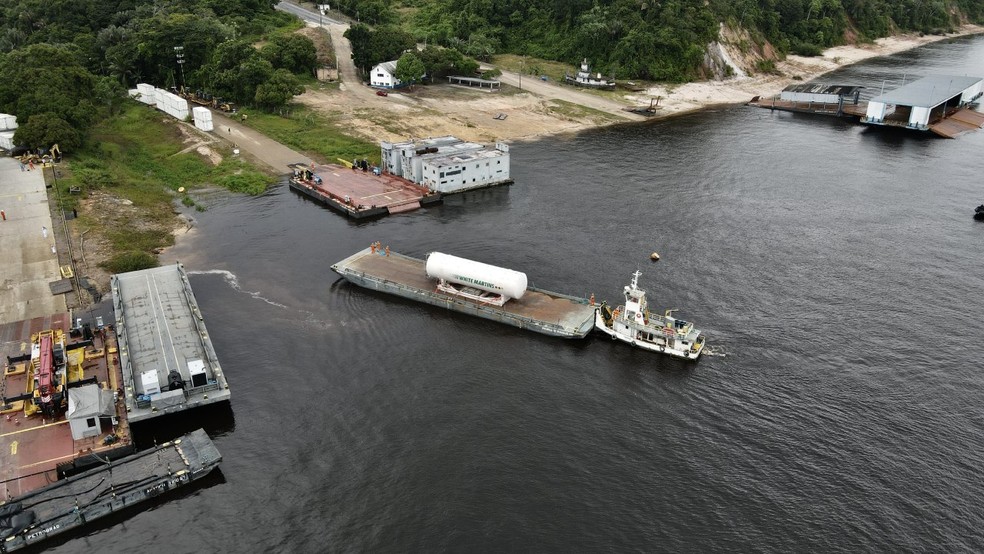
[
  {"x": 979, "y": 213},
  {"x": 634, "y": 324}
]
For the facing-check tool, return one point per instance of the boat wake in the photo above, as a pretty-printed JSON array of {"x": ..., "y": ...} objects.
[
  {"x": 712, "y": 351},
  {"x": 234, "y": 283}
]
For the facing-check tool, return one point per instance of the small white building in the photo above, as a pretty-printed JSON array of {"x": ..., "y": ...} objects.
[
  {"x": 87, "y": 405},
  {"x": 447, "y": 164},
  {"x": 384, "y": 75}
]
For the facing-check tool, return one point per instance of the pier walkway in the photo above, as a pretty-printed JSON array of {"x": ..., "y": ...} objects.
[{"x": 27, "y": 240}]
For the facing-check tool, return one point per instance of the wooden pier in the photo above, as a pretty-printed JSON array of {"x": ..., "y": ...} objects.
[{"x": 819, "y": 108}]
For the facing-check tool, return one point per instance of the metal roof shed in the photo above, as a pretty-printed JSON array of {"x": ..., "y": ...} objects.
[
  {"x": 85, "y": 406},
  {"x": 915, "y": 104}
]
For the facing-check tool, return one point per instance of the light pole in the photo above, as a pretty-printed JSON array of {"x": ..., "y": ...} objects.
[{"x": 179, "y": 55}]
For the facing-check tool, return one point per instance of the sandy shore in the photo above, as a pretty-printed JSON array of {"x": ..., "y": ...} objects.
[
  {"x": 539, "y": 109},
  {"x": 692, "y": 96}
]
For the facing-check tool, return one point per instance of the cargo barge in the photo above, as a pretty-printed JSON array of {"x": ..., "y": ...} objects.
[
  {"x": 359, "y": 193},
  {"x": 167, "y": 358},
  {"x": 58, "y": 408},
  {"x": 537, "y": 310},
  {"x": 69, "y": 504}
]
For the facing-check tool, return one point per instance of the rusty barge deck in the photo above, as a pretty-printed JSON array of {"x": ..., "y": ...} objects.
[
  {"x": 38, "y": 450},
  {"x": 359, "y": 194},
  {"x": 541, "y": 311}
]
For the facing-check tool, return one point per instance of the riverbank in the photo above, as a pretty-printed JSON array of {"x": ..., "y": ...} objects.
[
  {"x": 536, "y": 108},
  {"x": 794, "y": 69}
]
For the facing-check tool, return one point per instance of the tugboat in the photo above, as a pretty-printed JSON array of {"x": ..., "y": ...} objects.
[
  {"x": 979, "y": 213},
  {"x": 584, "y": 78},
  {"x": 634, "y": 324}
]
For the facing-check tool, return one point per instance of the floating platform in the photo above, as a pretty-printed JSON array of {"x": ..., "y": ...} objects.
[
  {"x": 168, "y": 361},
  {"x": 72, "y": 503},
  {"x": 357, "y": 193},
  {"x": 833, "y": 108},
  {"x": 36, "y": 449},
  {"x": 541, "y": 311}
]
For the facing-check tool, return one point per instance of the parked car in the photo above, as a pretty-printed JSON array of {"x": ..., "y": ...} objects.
[{"x": 382, "y": 93}]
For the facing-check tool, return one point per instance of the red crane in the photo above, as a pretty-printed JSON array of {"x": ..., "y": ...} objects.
[{"x": 45, "y": 378}]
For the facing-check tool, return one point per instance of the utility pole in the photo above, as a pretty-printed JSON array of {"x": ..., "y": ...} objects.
[{"x": 179, "y": 55}]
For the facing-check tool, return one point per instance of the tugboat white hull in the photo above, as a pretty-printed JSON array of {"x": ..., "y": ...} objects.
[
  {"x": 633, "y": 323},
  {"x": 658, "y": 344}
]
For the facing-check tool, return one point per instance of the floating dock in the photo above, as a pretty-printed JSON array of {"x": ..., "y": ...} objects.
[
  {"x": 69, "y": 504},
  {"x": 167, "y": 358},
  {"x": 359, "y": 193},
  {"x": 541, "y": 311},
  {"x": 941, "y": 104},
  {"x": 38, "y": 448}
]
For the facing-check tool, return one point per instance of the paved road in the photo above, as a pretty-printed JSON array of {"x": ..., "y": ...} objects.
[
  {"x": 307, "y": 15},
  {"x": 26, "y": 241}
]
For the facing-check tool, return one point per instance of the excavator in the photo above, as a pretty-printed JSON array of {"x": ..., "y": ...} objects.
[
  {"x": 42, "y": 156},
  {"x": 203, "y": 98}
]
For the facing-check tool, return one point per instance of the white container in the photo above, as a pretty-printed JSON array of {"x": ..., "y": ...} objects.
[
  {"x": 7, "y": 122},
  {"x": 7, "y": 140},
  {"x": 490, "y": 278}
]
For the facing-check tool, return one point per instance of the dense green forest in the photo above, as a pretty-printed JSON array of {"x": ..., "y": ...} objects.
[
  {"x": 651, "y": 39},
  {"x": 66, "y": 63}
]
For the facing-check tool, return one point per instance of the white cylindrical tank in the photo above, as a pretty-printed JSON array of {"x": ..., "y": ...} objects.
[{"x": 490, "y": 278}]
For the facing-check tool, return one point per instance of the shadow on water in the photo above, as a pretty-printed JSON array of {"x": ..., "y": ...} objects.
[
  {"x": 218, "y": 420},
  {"x": 214, "y": 478}
]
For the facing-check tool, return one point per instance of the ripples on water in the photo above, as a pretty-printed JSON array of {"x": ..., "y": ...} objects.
[{"x": 838, "y": 266}]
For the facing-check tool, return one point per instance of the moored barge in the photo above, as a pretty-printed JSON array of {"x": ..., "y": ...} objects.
[
  {"x": 74, "y": 502},
  {"x": 538, "y": 310}
]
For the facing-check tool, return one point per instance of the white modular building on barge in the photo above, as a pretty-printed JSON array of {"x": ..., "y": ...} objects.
[{"x": 447, "y": 164}]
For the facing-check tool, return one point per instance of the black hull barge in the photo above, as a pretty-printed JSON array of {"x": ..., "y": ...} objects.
[
  {"x": 541, "y": 311},
  {"x": 72, "y": 503}
]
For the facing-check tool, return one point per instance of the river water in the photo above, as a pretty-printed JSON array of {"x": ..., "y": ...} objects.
[{"x": 837, "y": 266}]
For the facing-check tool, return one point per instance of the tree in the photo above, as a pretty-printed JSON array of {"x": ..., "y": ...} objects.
[
  {"x": 277, "y": 91},
  {"x": 43, "y": 78},
  {"x": 44, "y": 130},
  {"x": 388, "y": 43},
  {"x": 293, "y": 52},
  {"x": 410, "y": 69},
  {"x": 359, "y": 36}
]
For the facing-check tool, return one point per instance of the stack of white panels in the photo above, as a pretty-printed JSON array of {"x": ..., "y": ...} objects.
[
  {"x": 148, "y": 94},
  {"x": 203, "y": 118},
  {"x": 8, "y": 122},
  {"x": 7, "y": 125},
  {"x": 172, "y": 104},
  {"x": 7, "y": 140}
]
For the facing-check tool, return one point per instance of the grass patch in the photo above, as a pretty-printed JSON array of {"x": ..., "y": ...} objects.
[
  {"x": 130, "y": 261},
  {"x": 139, "y": 156},
  {"x": 312, "y": 133},
  {"x": 146, "y": 240},
  {"x": 533, "y": 67},
  {"x": 578, "y": 112}
]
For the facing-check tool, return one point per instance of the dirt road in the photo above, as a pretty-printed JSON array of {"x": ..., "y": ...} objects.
[{"x": 570, "y": 94}]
